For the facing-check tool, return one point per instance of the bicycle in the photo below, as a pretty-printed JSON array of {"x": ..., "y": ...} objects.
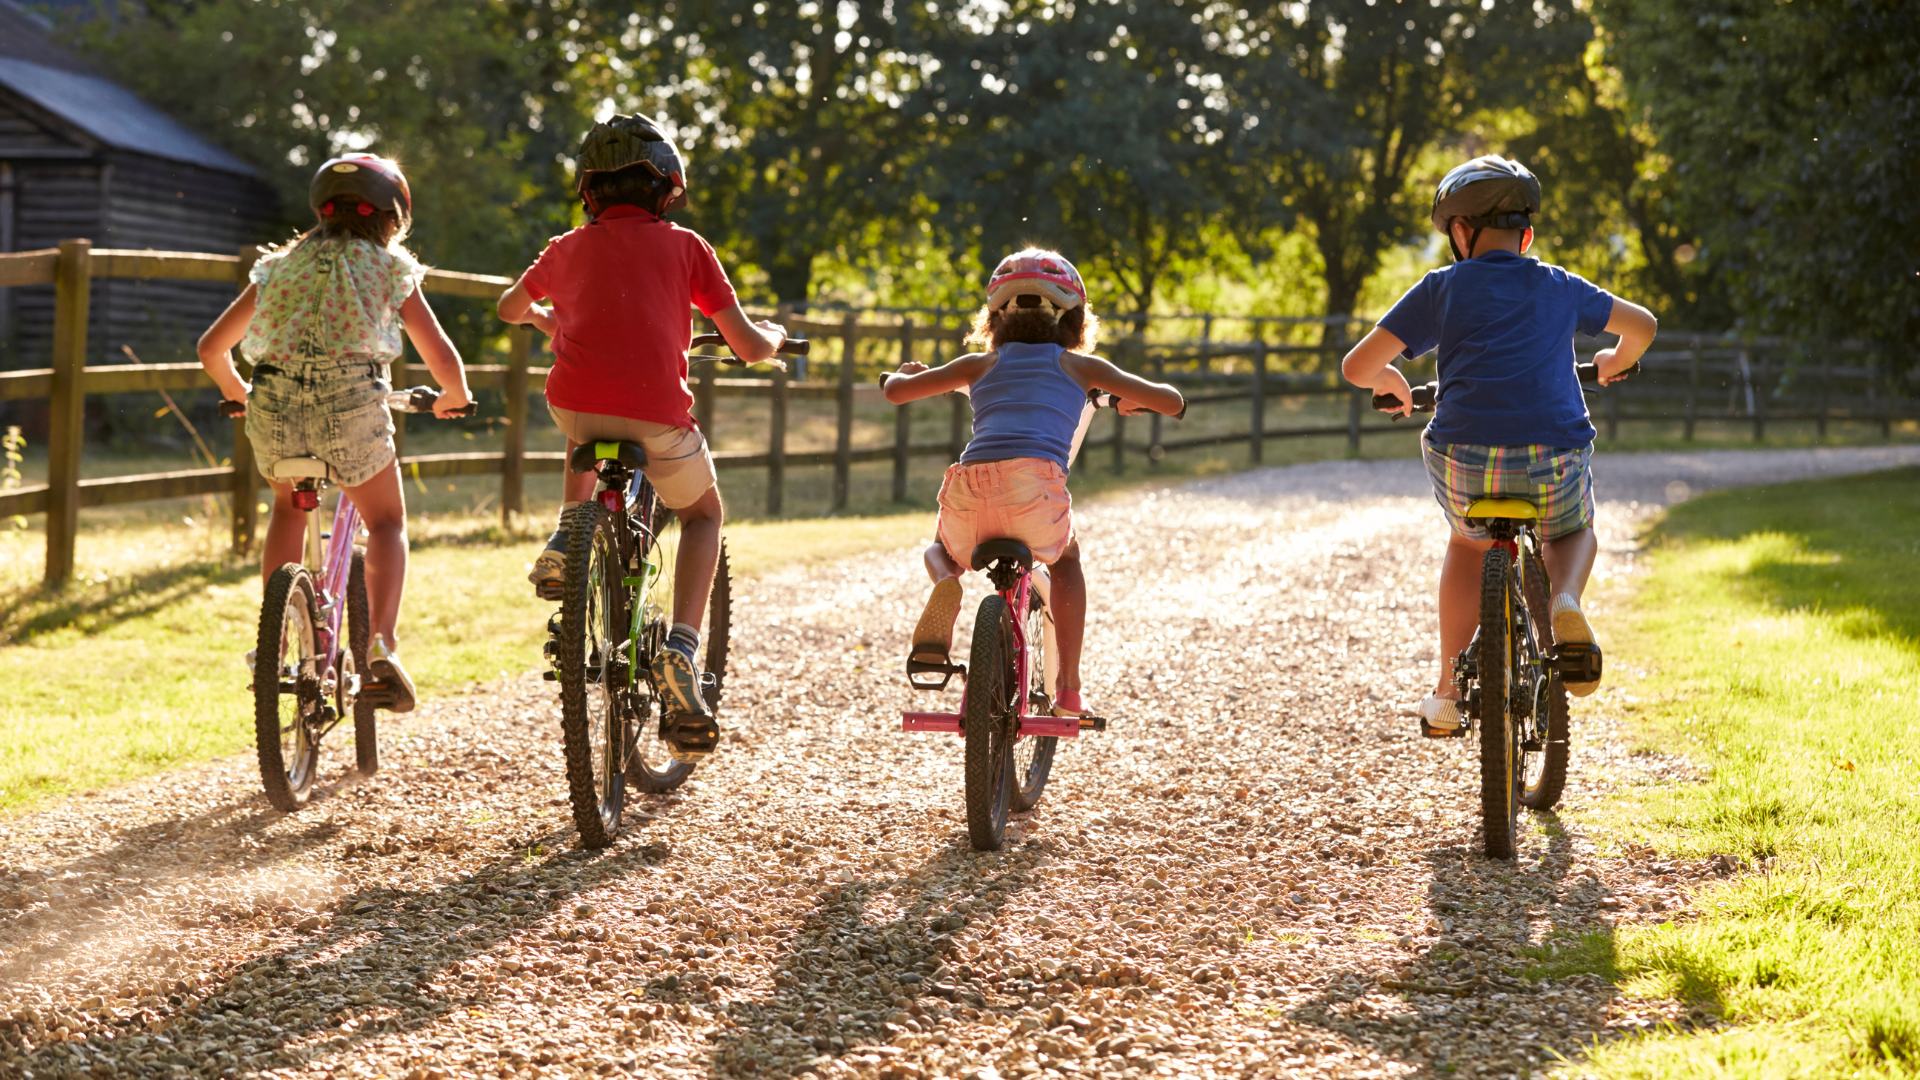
[
  {"x": 1012, "y": 666},
  {"x": 1512, "y": 677},
  {"x": 304, "y": 680},
  {"x": 616, "y": 605}
]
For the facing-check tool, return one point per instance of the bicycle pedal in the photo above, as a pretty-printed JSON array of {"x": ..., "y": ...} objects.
[
  {"x": 550, "y": 675},
  {"x": 1093, "y": 723},
  {"x": 1432, "y": 732},
  {"x": 1576, "y": 662},
  {"x": 552, "y": 592},
  {"x": 928, "y": 675}
]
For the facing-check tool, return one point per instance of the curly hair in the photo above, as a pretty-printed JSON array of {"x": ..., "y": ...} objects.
[{"x": 1077, "y": 330}]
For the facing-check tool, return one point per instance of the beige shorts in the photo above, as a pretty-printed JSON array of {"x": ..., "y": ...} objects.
[
  {"x": 1022, "y": 499},
  {"x": 678, "y": 463}
]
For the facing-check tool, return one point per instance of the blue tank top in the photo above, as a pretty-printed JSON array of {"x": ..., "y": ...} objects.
[{"x": 1026, "y": 406}]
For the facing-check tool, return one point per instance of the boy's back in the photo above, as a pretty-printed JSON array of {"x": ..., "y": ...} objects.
[
  {"x": 1504, "y": 325},
  {"x": 621, "y": 286}
]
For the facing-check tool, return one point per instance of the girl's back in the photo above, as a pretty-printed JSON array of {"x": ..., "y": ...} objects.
[
  {"x": 331, "y": 297},
  {"x": 1025, "y": 406}
]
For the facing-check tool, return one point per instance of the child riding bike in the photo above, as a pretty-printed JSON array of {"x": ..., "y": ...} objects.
[
  {"x": 321, "y": 321},
  {"x": 1510, "y": 420},
  {"x": 1029, "y": 387},
  {"x": 619, "y": 289}
]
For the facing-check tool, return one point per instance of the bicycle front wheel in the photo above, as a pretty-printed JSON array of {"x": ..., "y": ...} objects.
[
  {"x": 1033, "y": 754},
  {"x": 1543, "y": 760},
  {"x": 594, "y": 672},
  {"x": 366, "y": 744},
  {"x": 989, "y": 718},
  {"x": 288, "y": 699},
  {"x": 1499, "y": 806}
]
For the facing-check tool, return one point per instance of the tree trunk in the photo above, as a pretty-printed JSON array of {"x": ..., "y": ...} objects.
[{"x": 790, "y": 277}]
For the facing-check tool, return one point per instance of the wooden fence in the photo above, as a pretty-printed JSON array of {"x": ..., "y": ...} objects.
[{"x": 1704, "y": 379}]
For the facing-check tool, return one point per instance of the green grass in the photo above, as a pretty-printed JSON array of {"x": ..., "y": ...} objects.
[{"x": 1779, "y": 636}]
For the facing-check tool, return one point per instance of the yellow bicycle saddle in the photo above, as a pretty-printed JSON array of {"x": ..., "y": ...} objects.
[{"x": 1510, "y": 509}]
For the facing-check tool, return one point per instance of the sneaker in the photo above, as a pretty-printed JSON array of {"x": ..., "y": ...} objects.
[
  {"x": 1440, "y": 715},
  {"x": 1068, "y": 703},
  {"x": 675, "y": 679},
  {"x": 1570, "y": 627},
  {"x": 550, "y": 567},
  {"x": 385, "y": 671},
  {"x": 933, "y": 634}
]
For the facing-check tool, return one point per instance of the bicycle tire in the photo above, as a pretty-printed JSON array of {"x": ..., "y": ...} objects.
[
  {"x": 596, "y": 791},
  {"x": 289, "y": 595},
  {"x": 1499, "y": 809},
  {"x": 643, "y": 774},
  {"x": 1543, "y": 792},
  {"x": 989, "y": 779},
  {"x": 1030, "y": 776},
  {"x": 366, "y": 744}
]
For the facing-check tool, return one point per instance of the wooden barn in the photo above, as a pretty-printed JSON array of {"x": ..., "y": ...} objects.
[{"x": 83, "y": 157}]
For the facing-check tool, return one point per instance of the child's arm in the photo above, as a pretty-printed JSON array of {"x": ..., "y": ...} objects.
[
  {"x": 217, "y": 344},
  {"x": 1135, "y": 394},
  {"x": 914, "y": 380},
  {"x": 443, "y": 360},
  {"x": 752, "y": 340},
  {"x": 516, "y": 306},
  {"x": 1636, "y": 327},
  {"x": 1369, "y": 365}
]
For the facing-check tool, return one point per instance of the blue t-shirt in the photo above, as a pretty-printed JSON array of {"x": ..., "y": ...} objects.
[
  {"x": 1504, "y": 325},
  {"x": 1025, "y": 406}
]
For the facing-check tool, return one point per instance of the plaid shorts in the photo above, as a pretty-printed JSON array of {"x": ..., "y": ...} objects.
[{"x": 1557, "y": 481}]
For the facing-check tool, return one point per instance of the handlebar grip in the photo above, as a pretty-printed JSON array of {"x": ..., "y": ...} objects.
[
  {"x": 1590, "y": 373},
  {"x": 421, "y": 399},
  {"x": 1424, "y": 396},
  {"x": 232, "y": 410},
  {"x": 794, "y": 346}
]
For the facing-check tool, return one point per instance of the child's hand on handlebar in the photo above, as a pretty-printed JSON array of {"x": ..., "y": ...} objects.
[
  {"x": 451, "y": 402},
  {"x": 910, "y": 367},
  {"x": 776, "y": 333},
  {"x": 1392, "y": 382},
  {"x": 541, "y": 319},
  {"x": 1129, "y": 408},
  {"x": 1607, "y": 361}
]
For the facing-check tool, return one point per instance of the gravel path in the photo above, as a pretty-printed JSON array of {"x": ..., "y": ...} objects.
[{"x": 1261, "y": 869}]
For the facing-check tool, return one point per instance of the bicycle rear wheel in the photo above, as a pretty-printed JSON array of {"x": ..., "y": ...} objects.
[
  {"x": 1499, "y": 807},
  {"x": 366, "y": 745},
  {"x": 593, "y": 672},
  {"x": 988, "y": 718},
  {"x": 287, "y": 696},
  {"x": 650, "y": 766},
  {"x": 1033, "y": 754},
  {"x": 1543, "y": 771}
]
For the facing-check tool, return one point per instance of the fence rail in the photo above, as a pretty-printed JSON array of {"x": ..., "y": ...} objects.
[{"x": 1705, "y": 379}]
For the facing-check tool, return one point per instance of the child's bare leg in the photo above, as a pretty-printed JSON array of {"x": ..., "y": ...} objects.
[
  {"x": 1459, "y": 603},
  {"x": 1570, "y": 560},
  {"x": 575, "y": 487},
  {"x": 940, "y": 565},
  {"x": 383, "y": 506},
  {"x": 699, "y": 554},
  {"x": 1069, "y": 597},
  {"x": 286, "y": 532}
]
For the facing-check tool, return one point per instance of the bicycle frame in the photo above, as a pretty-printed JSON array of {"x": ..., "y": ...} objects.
[
  {"x": 1017, "y": 594},
  {"x": 331, "y": 564}
]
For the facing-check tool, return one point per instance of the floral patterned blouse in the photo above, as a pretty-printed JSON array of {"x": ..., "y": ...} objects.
[{"x": 330, "y": 298}]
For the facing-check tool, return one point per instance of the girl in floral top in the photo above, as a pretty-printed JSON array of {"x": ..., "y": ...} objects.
[{"x": 321, "y": 322}]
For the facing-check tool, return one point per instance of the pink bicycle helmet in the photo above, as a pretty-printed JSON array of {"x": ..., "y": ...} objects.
[
  {"x": 368, "y": 179},
  {"x": 1036, "y": 272}
]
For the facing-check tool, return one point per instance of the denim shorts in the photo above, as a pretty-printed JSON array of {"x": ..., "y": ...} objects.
[
  {"x": 327, "y": 409},
  {"x": 1558, "y": 481}
]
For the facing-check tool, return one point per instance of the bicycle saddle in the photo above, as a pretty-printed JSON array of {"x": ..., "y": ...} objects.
[
  {"x": 299, "y": 468},
  {"x": 630, "y": 454},
  {"x": 1511, "y": 509},
  {"x": 987, "y": 552}
]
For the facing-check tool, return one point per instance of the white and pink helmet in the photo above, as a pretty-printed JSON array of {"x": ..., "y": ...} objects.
[{"x": 1036, "y": 272}]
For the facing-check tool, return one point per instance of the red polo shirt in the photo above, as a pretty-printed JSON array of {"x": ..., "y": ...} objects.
[{"x": 621, "y": 286}]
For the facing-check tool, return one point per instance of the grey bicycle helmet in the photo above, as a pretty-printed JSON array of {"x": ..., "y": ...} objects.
[
  {"x": 365, "y": 179},
  {"x": 1489, "y": 192},
  {"x": 630, "y": 142}
]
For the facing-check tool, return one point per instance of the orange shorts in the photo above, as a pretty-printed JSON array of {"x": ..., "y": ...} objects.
[{"x": 1022, "y": 499}]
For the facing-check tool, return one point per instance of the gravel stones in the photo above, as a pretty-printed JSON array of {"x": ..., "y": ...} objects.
[{"x": 1260, "y": 869}]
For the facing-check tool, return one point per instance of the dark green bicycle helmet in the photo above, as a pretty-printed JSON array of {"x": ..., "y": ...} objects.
[
  {"x": 630, "y": 142},
  {"x": 1489, "y": 192}
]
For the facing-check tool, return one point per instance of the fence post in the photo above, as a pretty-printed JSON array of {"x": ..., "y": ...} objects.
[
  {"x": 1206, "y": 347},
  {"x": 1883, "y": 375},
  {"x": 843, "y": 433},
  {"x": 1154, "y": 453},
  {"x": 1258, "y": 434},
  {"x": 1613, "y": 414},
  {"x": 244, "y": 513},
  {"x": 958, "y": 423},
  {"x": 1759, "y": 395},
  {"x": 1826, "y": 379},
  {"x": 1119, "y": 443},
  {"x": 1693, "y": 387},
  {"x": 704, "y": 376},
  {"x": 902, "y": 420},
  {"x": 67, "y": 417},
  {"x": 513, "y": 458},
  {"x": 777, "y": 445}
]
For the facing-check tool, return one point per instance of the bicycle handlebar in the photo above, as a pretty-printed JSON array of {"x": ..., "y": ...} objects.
[
  {"x": 416, "y": 399},
  {"x": 788, "y": 347},
  {"x": 1103, "y": 399},
  {"x": 1425, "y": 395}
]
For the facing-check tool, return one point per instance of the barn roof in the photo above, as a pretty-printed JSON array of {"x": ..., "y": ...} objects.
[{"x": 58, "y": 83}]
